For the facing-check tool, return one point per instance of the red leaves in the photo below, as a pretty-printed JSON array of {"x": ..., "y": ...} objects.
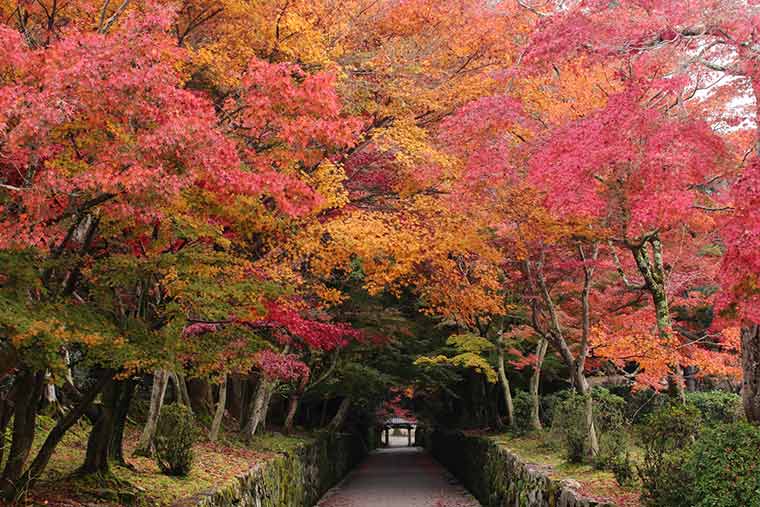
[
  {"x": 313, "y": 333},
  {"x": 740, "y": 269},
  {"x": 281, "y": 367}
]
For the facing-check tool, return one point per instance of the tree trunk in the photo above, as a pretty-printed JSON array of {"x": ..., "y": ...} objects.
[
  {"x": 6, "y": 412},
  {"x": 293, "y": 401},
  {"x": 219, "y": 413},
  {"x": 160, "y": 381},
  {"x": 505, "y": 385},
  {"x": 267, "y": 404},
  {"x": 201, "y": 395},
  {"x": 585, "y": 391},
  {"x": 28, "y": 387},
  {"x": 751, "y": 372},
  {"x": 57, "y": 433},
  {"x": 535, "y": 383},
  {"x": 257, "y": 410},
  {"x": 653, "y": 272},
  {"x": 125, "y": 390},
  {"x": 323, "y": 415},
  {"x": 340, "y": 416},
  {"x": 101, "y": 434},
  {"x": 247, "y": 394},
  {"x": 235, "y": 397},
  {"x": 180, "y": 389}
]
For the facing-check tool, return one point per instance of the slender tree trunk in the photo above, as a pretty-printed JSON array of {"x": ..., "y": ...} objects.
[
  {"x": 340, "y": 416},
  {"x": 59, "y": 430},
  {"x": 219, "y": 413},
  {"x": 585, "y": 391},
  {"x": 751, "y": 372},
  {"x": 505, "y": 384},
  {"x": 267, "y": 404},
  {"x": 293, "y": 401},
  {"x": 257, "y": 410},
  {"x": 28, "y": 391},
  {"x": 160, "y": 381},
  {"x": 652, "y": 269},
  {"x": 180, "y": 388},
  {"x": 535, "y": 383}
]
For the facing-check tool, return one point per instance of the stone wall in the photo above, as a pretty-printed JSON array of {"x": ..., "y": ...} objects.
[
  {"x": 497, "y": 477},
  {"x": 294, "y": 479}
]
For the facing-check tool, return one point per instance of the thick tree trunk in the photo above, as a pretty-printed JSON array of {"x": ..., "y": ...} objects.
[
  {"x": 28, "y": 387},
  {"x": 235, "y": 388},
  {"x": 293, "y": 401},
  {"x": 59, "y": 430},
  {"x": 96, "y": 460},
  {"x": 219, "y": 413},
  {"x": 323, "y": 415},
  {"x": 751, "y": 372},
  {"x": 6, "y": 412},
  {"x": 201, "y": 395},
  {"x": 125, "y": 390},
  {"x": 257, "y": 410},
  {"x": 505, "y": 385},
  {"x": 160, "y": 381},
  {"x": 249, "y": 389},
  {"x": 340, "y": 416},
  {"x": 535, "y": 384}
]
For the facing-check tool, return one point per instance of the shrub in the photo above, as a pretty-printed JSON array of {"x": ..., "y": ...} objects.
[
  {"x": 569, "y": 424},
  {"x": 623, "y": 470},
  {"x": 613, "y": 447},
  {"x": 725, "y": 465},
  {"x": 175, "y": 435},
  {"x": 522, "y": 404},
  {"x": 640, "y": 404},
  {"x": 550, "y": 404},
  {"x": 717, "y": 406},
  {"x": 667, "y": 437}
]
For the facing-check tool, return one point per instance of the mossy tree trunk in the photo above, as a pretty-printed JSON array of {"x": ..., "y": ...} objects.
[
  {"x": 96, "y": 460},
  {"x": 28, "y": 388},
  {"x": 59, "y": 430},
  {"x": 125, "y": 390}
]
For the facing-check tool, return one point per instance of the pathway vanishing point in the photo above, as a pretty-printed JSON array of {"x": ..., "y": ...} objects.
[{"x": 399, "y": 476}]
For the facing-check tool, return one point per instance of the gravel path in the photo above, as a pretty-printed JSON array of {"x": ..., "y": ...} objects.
[{"x": 399, "y": 477}]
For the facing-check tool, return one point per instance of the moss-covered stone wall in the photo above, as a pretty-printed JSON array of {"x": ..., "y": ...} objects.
[
  {"x": 497, "y": 477},
  {"x": 297, "y": 478}
]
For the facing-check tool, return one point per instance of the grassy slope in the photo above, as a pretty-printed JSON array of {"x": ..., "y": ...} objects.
[
  {"x": 143, "y": 484},
  {"x": 540, "y": 449}
]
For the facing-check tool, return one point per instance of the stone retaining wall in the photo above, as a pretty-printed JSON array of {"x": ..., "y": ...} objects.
[
  {"x": 497, "y": 477},
  {"x": 295, "y": 479}
]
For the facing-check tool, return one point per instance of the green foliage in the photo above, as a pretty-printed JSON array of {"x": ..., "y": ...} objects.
[
  {"x": 468, "y": 354},
  {"x": 522, "y": 404},
  {"x": 175, "y": 435},
  {"x": 550, "y": 404},
  {"x": 725, "y": 467},
  {"x": 717, "y": 406},
  {"x": 568, "y": 416},
  {"x": 667, "y": 437}
]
